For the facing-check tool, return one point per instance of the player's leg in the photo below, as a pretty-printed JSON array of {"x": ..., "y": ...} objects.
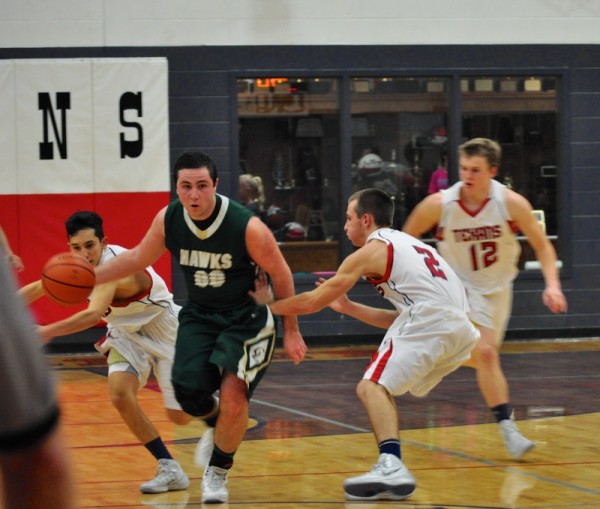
[
  {"x": 194, "y": 378},
  {"x": 491, "y": 314},
  {"x": 389, "y": 477},
  {"x": 233, "y": 416},
  {"x": 162, "y": 371},
  {"x": 123, "y": 388},
  {"x": 380, "y": 408},
  {"x": 161, "y": 333},
  {"x": 244, "y": 352},
  {"x": 229, "y": 432},
  {"x": 124, "y": 383},
  {"x": 485, "y": 359}
]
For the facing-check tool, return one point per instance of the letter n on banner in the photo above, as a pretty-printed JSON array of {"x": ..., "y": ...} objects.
[{"x": 81, "y": 134}]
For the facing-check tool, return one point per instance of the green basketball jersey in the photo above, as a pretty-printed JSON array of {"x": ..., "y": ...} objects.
[{"x": 216, "y": 266}]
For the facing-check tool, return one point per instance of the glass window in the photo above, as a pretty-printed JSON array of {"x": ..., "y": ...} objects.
[
  {"x": 399, "y": 137},
  {"x": 289, "y": 136},
  {"x": 520, "y": 113}
]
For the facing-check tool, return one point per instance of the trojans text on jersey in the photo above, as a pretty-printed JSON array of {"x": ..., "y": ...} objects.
[{"x": 478, "y": 233}]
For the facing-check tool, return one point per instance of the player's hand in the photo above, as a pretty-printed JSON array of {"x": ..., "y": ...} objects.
[
  {"x": 339, "y": 303},
  {"x": 555, "y": 300},
  {"x": 16, "y": 262},
  {"x": 294, "y": 346},
  {"x": 262, "y": 294}
]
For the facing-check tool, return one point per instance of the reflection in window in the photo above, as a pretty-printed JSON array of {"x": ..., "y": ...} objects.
[
  {"x": 399, "y": 137},
  {"x": 520, "y": 113},
  {"x": 289, "y": 136}
]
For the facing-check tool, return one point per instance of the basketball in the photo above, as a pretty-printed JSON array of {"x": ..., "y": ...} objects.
[{"x": 68, "y": 279}]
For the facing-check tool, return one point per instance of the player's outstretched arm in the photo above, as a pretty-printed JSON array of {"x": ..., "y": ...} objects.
[
  {"x": 377, "y": 317},
  {"x": 32, "y": 291},
  {"x": 136, "y": 259},
  {"x": 99, "y": 302}
]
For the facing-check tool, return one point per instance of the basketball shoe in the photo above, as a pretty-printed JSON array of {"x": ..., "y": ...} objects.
[
  {"x": 214, "y": 490},
  {"x": 516, "y": 443},
  {"x": 169, "y": 477},
  {"x": 389, "y": 479}
]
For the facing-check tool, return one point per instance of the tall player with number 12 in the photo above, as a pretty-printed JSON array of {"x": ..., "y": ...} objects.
[
  {"x": 477, "y": 220},
  {"x": 428, "y": 332}
]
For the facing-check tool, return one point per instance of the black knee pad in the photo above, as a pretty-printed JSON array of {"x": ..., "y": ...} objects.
[{"x": 195, "y": 402}]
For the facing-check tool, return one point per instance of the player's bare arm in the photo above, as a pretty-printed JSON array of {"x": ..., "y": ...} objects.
[
  {"x": 32, "y": 291},
  {"x": 368, "y": 260},
  {"x": 521, "y": 212},
  {"x": 377, "y": 317},
  {"x": 136, "y": 259},
  {"x": 100, "y": 300},
  {"x": 263, "y": 249},
  {"x": 425, "y": 216},
  {"x": 338, "y": 304}
]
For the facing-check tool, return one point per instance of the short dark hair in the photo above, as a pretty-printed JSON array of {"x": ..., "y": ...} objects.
[
  {"x": 84, "y": 220},
  {"x": 483, "y": 147},
  {"x": 375, "y": 202},
  {"x": 195, "y": 160}
]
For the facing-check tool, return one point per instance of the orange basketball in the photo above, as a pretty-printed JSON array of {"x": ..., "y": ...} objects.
[{"x": 68, "y": 279}]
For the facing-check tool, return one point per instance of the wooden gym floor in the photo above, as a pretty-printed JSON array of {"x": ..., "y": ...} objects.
[{"x": 309, "y": 432}]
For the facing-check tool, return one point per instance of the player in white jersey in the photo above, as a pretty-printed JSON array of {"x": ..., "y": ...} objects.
[
  {"x": 482, "y": 247},
  {"x": 428, "y": 332},
  {"x": 142, "y": 325},
  {"x": 477, "y": 220}
]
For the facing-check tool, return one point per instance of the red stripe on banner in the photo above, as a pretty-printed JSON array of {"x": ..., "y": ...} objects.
[{"x": 35, "y": 226}]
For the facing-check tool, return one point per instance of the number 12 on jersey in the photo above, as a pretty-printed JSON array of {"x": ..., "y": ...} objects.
[{"x": 483, "y": 254}]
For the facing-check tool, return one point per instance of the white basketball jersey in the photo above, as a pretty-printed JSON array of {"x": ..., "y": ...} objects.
[
  {"x": 141, "y": 309},
  {"x": 480, "y": 246},
  {"x": 416, "y": 274}
]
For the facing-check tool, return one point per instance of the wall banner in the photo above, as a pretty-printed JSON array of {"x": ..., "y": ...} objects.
[{"x": 81, "y": 134}]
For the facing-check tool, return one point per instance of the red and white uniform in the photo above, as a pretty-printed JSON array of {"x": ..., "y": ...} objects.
[
  {"x": 143, "y": 331},
  {"x": 482, "y": 248},
  {"x": 432, "y": 335}
]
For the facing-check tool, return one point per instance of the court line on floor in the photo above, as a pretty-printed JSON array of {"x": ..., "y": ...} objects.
[
  {"x": 429, "y": 447},
  {"x": 311, "y": 416}
]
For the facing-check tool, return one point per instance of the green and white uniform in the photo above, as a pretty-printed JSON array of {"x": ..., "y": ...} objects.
[{"x": 220, "y": 326}]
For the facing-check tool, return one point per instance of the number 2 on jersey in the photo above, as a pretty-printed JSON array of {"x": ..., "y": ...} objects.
[
  {"x": 483, "y": 254},
  {"x": 431, "y": 261}
]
